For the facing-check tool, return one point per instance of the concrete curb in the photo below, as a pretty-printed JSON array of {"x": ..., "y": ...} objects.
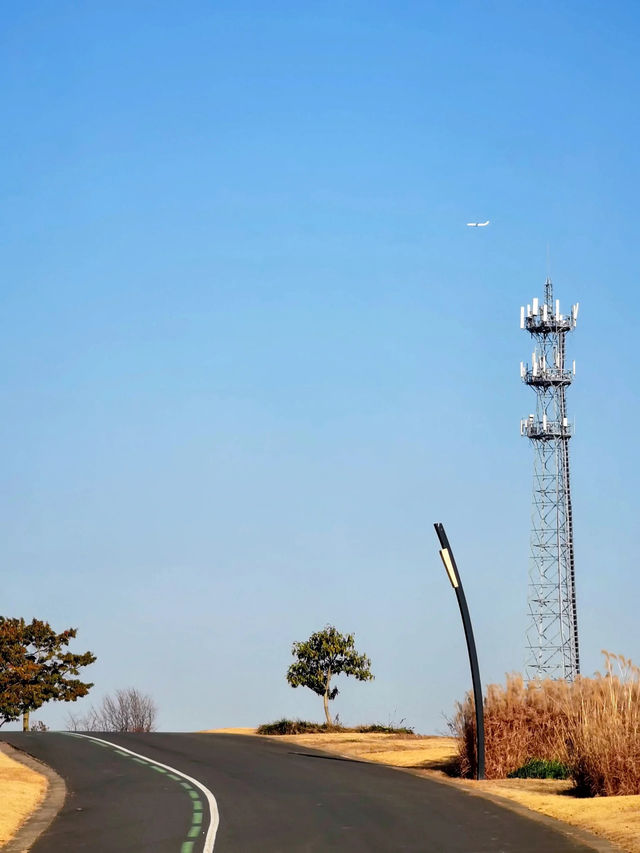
[{"x": 42, "y": 817}]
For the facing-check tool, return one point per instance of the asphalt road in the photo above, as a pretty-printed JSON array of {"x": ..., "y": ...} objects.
[{"x": 270, "y": 797}]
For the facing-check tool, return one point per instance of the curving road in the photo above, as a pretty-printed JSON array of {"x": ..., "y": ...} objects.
[{"x": 271, "y": 798}]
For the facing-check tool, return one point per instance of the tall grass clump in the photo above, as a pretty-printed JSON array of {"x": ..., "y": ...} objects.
[
  {"x": 592, "y": 726},
  {"x": 521, "y": 722},
  {"x": 603, "y": 738}
]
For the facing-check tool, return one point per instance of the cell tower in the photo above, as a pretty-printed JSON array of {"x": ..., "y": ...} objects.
[{"x": 552, "y": 635}]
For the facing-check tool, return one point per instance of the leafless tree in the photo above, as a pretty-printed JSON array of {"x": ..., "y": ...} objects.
[{"x": 126, "y": 710}]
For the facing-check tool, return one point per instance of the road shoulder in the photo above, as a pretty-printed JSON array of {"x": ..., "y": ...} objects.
[
  {"x": 545, "y": 815},
  {"x": 590, "y": 821},
  {"x": 34, "y": 824}
]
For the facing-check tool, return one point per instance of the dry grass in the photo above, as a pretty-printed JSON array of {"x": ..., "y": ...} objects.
[
  {"x": 603, "y": 741},
  {"x": 21, "y": 791},
  {"x": 414, "y": 751},
  {"x": 593, "y": 726},
  {"x": 520, "y": 721}
]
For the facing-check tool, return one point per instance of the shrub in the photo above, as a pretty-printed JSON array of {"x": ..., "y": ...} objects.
[
  {"x": 125, "y": 710},
  {"x": 304, "y": 727},
  {"x": 292, "y": 727},
  {"x": 383, "y": 728},
  {"x": 541, "y": 768}
]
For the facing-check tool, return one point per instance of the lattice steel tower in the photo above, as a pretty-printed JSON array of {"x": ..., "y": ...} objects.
[{"x": 552, "y": 635}]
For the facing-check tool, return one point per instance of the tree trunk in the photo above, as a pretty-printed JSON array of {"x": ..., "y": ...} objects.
[
  {"x": 326, "y": 707},
  {"x": 326, "y": 699},
  {"x": 25, "y": 721}
]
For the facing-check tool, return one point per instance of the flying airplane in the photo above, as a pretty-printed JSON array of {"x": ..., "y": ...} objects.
[{"x": 478, "y": 224}]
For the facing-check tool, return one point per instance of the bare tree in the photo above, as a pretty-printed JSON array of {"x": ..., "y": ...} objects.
[{"x": 126, "y": 710}]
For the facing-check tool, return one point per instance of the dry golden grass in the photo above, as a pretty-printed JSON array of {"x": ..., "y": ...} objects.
[
  {"x": 521, "y": 721},
  {"x": 592, "y": 725},
  {"x": 415, "y": 751},
  {"x": 604, "y": 730},
  {"x": 21, "y": 792}
]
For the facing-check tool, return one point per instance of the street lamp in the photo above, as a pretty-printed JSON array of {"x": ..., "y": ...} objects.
[{"x": 454, "y": 576}]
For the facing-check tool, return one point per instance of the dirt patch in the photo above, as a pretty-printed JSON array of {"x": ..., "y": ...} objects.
[{"x": 21, "y": 792}]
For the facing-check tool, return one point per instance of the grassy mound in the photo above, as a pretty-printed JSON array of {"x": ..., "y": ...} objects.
[{"x": 304, "y": 727}]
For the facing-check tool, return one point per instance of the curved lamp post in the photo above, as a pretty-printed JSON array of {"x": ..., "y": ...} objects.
[{"x": 454, "y": 576}]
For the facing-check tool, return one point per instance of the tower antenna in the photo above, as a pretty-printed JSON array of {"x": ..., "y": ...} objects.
[
  {"x": 548, "y": 261},
  {"x": 552, "y": 635}
]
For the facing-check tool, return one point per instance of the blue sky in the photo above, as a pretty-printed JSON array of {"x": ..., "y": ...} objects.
[{"x": 251, "y": 352}]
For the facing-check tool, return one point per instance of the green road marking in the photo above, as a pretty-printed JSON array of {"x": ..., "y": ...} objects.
[{"x": 197, "y": 816}]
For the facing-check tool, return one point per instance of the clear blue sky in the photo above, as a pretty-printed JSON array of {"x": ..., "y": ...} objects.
[{"x": 250, "y": 352}]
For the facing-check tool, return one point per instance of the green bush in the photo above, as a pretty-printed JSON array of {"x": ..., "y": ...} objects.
[
  {"x": 294, "y": 727},
  {"x": 381, "y": 728},
  {"x": 541, "y": 768},
  {"x": 304, "y": 727}
]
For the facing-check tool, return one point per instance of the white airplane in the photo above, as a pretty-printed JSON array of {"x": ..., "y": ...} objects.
[{"x": 478, "y": 224}]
